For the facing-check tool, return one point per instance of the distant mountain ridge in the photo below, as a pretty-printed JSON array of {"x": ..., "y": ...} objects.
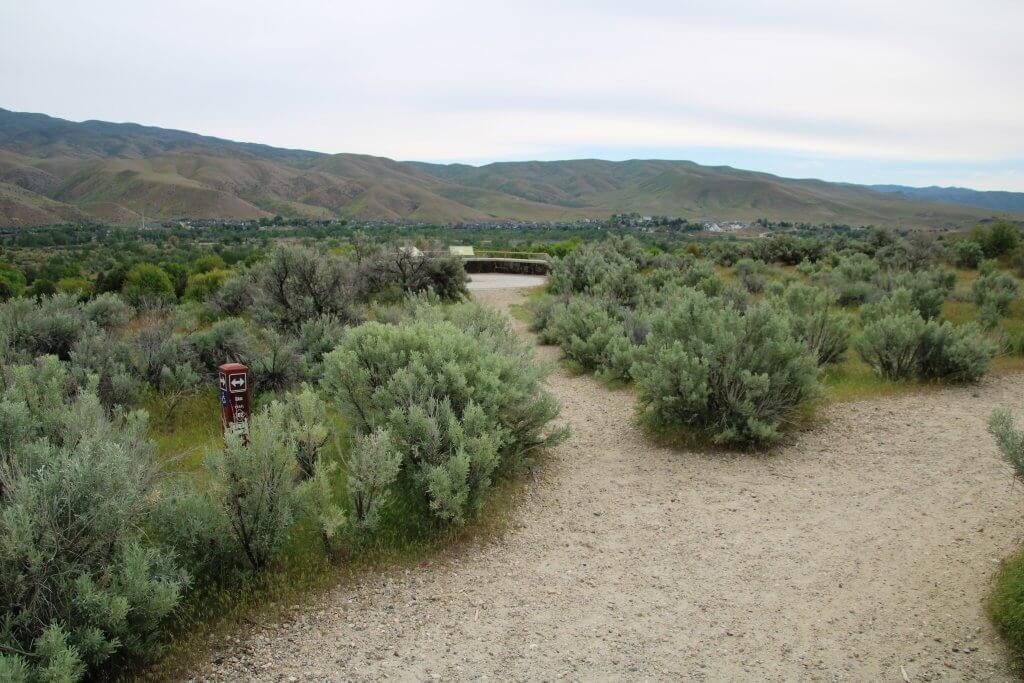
[
  {"x": 54, "y": 171},
  {"x": 996, "y": 200}
]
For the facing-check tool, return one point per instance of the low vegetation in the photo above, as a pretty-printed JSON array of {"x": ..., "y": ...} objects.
[
  {"x": 1006, "y": 602},
  {"x": 733, "y": 343},
  {"x": 385, "y": 405},
  {"x": 389, "y": 409}
]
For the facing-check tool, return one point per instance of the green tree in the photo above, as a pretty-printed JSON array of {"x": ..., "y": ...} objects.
[
  {"x": 997, "y": 239},
  {"x": 12, "y": 282},
  {"x": 42, "y": 287},
  {"x": 179, "y": 276},
  {"x": 204, "y": 284},
  {"x": 205, "y": 264},
  {"x": 78, "y": 286},
  {"x": 147, "y": 284}
]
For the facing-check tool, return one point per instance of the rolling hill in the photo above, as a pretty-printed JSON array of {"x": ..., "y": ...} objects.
[
  {"x": 995, "y": 200},
  {"x": 53, "y": 171}
]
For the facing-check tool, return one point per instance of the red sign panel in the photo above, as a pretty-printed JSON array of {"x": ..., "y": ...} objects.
[{"x": 235, "y": 398}]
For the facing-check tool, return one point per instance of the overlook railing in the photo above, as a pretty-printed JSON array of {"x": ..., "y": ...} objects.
[{"x": 498, "y": 261}]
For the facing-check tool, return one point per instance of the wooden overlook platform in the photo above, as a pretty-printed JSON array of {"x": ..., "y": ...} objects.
[{"x": 488, "y": 261}]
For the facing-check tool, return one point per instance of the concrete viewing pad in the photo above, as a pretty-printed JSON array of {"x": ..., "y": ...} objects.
[{"x": 481, "y": 281}]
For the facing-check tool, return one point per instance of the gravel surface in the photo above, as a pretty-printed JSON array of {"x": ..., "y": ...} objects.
[
  {"x": 487, "y": 281},
  {"x": 863, "y": 551}
]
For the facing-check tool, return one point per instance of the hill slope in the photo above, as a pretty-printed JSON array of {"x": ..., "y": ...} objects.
[
  {"x": 995, "y": 200},
  {"x": 52, "y": 170}
]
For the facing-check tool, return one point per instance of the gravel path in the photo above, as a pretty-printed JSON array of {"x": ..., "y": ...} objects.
[
  {"x": 861, "y": 552},
  {"x": 479, "y": 282}
]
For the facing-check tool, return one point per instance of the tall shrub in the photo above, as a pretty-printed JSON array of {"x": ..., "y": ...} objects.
[
  {"x": 825, "y": 333},
  {"x": 455, "y": 405},
  {"x": 79, "y": 579},
  {"x": 738, "y": 377}
]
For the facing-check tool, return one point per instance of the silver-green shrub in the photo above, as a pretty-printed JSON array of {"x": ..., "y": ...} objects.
[
  {"x": 278, "y": 364},
  {"x": 953, "y": 353},
  {"x": 899, "y": 344},
  {"x": 79, "y": 579},
  {"x": 853, "y": 279},
  {"x": 297, "y": 284},
  {"x": 457, "y": 405},
  {"x": 1009, "y": 440},
  {"x": 252, "y": 482},
  {"x": 226, "y": 341},
  {"x": 752, "y": 274},
  {"x": 889, "y": 343},
  {"x": 542, "y": 316},
  {"x": 928, "y": 289},
  {"x": 108, "y": 311},
  {"x": 825, "y": 332},
  {"x": 609, "y": 266},
  {"x": 50, "y": 326},
  {"x": 372, "y": 468},
  {"x": 738, "y": 377},
  {"x": 306, "y": 420},
  {"x": 993, "y": 292},
  {"x": 101, "y": 356},
  {"x": 586, "y": 331},
  {"x": 966, "y": 253}
]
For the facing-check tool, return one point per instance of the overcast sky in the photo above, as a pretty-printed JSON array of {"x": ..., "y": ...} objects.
[{"x": 904, "y": 91}]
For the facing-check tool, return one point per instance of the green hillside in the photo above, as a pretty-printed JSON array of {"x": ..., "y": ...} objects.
[{"x": 53, "y": 170}]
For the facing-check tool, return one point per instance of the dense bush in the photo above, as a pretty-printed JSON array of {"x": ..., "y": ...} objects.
[
  {"x": 953, "y": 353},
  {"x": 993, "y": 292},
  {"x": 543, "y": 313},
  {"x": 372, "y": 468},
  {"x": 79, "y": 581},
  {"x": 296, "y": 285},
  {"x": 159, "y": 351},
  {"x": 1006, "y": 603},
  {"x": 108, "y": 311},
  {"x": 204, "y": 284},
  {"x": 252, "y": 486},
  {"x": 608, "y": 265},
  {"x": 226, "y": 341},
  {"x": 148, "y": 285},
  {"x": 12, "y": 282},
  {"x": 928, "y": 289},
  {"x": 256, "y": 490},
  {"x": 399, "y": 270},
  {"x": 279, "y": 363},
  {"x": 853, "y": 279},
  {"x": 997, "y": 239},
  {"x": 590, "y": 336},
  {"x": 889, "y": 344},
  {"x": 752, "y": 274},
  {"x": 738, "y": 377},
  {"x": 455, "y": 404},
  {"x": 825, "y": 333},
  {"x": 966, "y": 254},
  {"x": 898, "y": 343}
]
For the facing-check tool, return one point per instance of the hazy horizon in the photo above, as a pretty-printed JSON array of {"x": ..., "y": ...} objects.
[{"x": 918, "y": 93}]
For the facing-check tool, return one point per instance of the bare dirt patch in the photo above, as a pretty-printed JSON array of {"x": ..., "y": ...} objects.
[{"x": 862, "y": 551}]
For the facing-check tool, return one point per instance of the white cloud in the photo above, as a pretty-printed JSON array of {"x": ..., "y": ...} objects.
[{"x": 935, "y": 82}]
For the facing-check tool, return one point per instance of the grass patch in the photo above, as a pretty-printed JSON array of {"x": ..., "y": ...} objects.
[
  {"x": 184, "y": 435},
  {"x": 1006, "y": 605},
  {"x": 520, "y": 312},
  {"x": 854, "y": 380}
]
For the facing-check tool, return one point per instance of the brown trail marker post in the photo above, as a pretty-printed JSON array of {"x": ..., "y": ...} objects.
[{"x": 235, "y": 398}]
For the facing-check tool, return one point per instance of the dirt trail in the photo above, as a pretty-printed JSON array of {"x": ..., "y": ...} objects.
[{"x": 866, "y": 546}]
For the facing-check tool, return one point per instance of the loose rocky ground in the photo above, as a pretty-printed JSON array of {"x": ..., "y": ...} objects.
[{"x": 863, "y": 551}]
